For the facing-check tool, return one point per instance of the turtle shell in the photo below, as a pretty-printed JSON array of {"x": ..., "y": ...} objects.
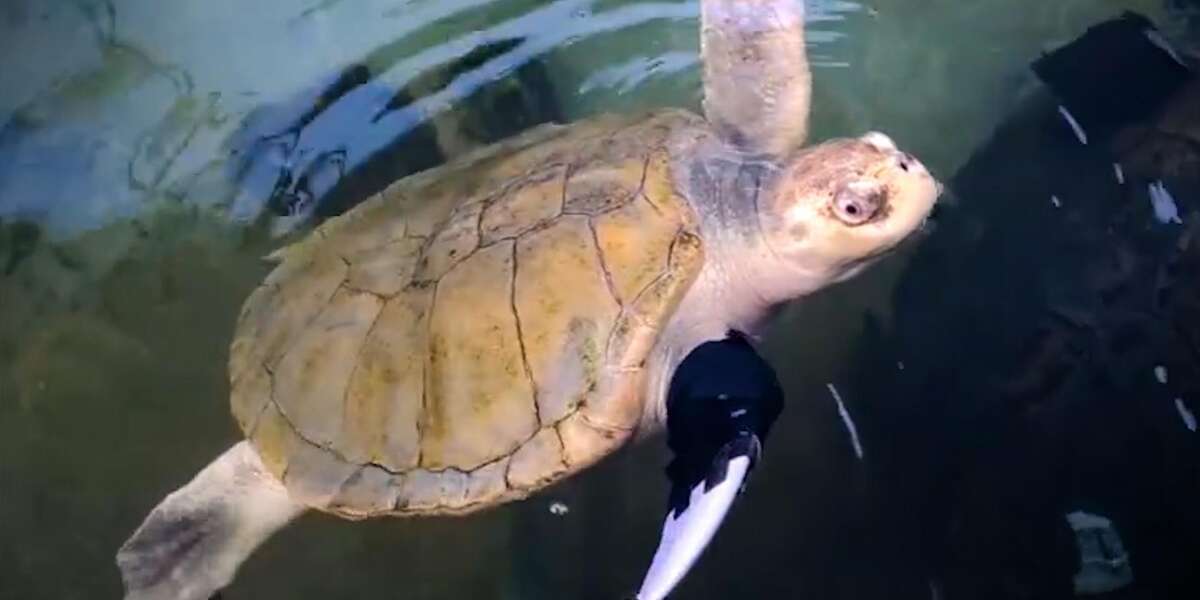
[{"x": 474, "y": 332}]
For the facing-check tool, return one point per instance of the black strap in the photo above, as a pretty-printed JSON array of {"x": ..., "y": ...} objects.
[{"x": 721, "y": 404}]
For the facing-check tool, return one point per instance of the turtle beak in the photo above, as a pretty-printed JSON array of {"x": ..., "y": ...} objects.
[{"x": 688, "y": 531}]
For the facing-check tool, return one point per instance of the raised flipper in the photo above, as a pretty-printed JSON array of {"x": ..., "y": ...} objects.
[
  {"x": 194, "y": 540},
  {"x": 721, "y": 404},
  {"x": 757, "y": 84}
]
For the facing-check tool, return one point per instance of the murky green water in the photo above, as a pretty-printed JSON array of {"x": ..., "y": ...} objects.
[{"x": 151, "y": 153}]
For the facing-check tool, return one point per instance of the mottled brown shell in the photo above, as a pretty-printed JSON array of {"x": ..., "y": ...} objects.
[{"x": 474, "y": 332}]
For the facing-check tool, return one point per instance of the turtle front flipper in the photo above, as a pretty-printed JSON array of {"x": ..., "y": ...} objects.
[
  {"x": 193, "y": 542},
  {"x": 757, "y": 84},
  {"x": 720, "y": 407}
]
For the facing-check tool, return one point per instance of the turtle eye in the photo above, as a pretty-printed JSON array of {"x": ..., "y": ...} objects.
[{"x": 858, "y": 202}]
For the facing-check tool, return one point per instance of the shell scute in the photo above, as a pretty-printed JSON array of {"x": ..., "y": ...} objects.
[
  {"x": 566, "y": 310},
  {"x": 530, "y": 203},
  {"x": 478, "y": 395},
  {"x": 381, "y": 417}
]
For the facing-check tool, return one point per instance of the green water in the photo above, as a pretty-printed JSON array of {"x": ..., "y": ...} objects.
[{"x": 126, "y": 249}]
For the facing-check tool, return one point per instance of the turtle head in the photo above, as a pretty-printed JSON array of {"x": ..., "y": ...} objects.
[{"x": 837, "y": 206}]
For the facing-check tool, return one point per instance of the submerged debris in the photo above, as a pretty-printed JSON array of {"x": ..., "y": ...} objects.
[
  {"x": 559, "y": 509},
  {"x": 1157, "y": 39},
  {"x": 1075, "y": 126},
  {"x": 1104, "y": 564},
  {"x": 849, "y": 422},
  {"x": 1165, "y": 209},
  {"x": 1119, "y": 172},
  {"x": 1189, "y": 418},
  {"x": 935, "y": 590},
  {"x": 1160, "y": 373},
  {"x": 1055, "y": 201}
]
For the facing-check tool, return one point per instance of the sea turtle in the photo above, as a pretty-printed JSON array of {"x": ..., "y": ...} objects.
[{"x": 486, "y": 328}]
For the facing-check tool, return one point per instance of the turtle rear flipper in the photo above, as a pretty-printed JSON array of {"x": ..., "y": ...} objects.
[{"x": 193, "y": 542}]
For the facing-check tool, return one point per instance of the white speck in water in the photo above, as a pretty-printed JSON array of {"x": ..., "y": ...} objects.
[
  {"x": 900, "y": 365},
  {"x": 1075, "y": 126},
  {"x": 1160, "y": 373},
  {"x": 1165, "y": 209},
  {"x": 1189, "y": 418},
  {"x": 847, "y": 421},
  {"x": 1055, "y": 201},
  {"x": 559, "y": 509},
  {"x": 1119, "y": 172}
]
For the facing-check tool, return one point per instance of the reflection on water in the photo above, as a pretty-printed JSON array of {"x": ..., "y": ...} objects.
[
  {"x": 234, "y": 124},
  {"x": 150, "y": 155}
]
